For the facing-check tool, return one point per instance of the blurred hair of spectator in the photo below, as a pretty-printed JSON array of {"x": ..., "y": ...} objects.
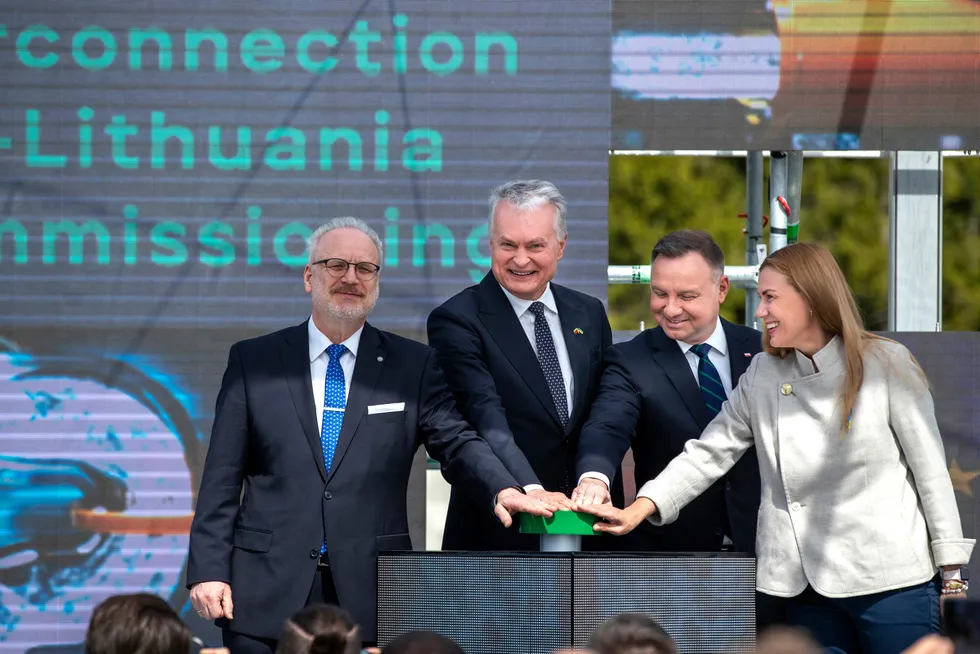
[
  {"x": 786, "y": 640},
  {"x": 136, "y": 624},
  {"x": 631, "y": 633},
  {"x": 931, "y": 644},
  {"x": 422, "y": 642},
  {"x": 320, "y": 629}
]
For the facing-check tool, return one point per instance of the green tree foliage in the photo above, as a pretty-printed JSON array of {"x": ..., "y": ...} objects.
[
  {"x": 651, "y": 196},
  {"x": 844, "y": 207},
  {"x": 961, "y": 244}
]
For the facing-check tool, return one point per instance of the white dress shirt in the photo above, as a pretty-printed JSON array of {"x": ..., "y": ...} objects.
[
  {"x": 523, "y": 310},
  {"x": 319, "y": 361},
  {"x": 718, "y": 355}
]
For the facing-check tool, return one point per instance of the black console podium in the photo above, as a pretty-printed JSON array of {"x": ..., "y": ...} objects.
[{"x": 535, "y": 603}]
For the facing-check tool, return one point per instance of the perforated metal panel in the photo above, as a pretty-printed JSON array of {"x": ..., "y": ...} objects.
[
  {"x": 537, "y": 603},
  {"x": 489, "y": 604},
  {"x": 705, "y": 603}
]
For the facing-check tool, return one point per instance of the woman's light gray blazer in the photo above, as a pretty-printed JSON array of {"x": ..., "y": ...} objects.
[{"x": 856, "y": 513}]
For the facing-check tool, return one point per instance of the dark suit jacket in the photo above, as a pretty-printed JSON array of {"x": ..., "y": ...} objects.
[
  {"x": 650, "y": 400},
  {"x": 265, "y": 438},
  {"x": 501, "y": 390}
]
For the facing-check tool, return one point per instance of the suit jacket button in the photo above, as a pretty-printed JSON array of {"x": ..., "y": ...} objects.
[
  {"x": 314, "y": 554},
  {"x": 796, "y": 506},
  {"x": 327, "y": 495},
  {"x": 728, "y": 485}
]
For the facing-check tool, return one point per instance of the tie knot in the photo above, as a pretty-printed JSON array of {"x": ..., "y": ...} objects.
[
  {"x": 336, "y": 351},
  {"x": 537, "y": 308},
  {"x": 701, "y": 349}
]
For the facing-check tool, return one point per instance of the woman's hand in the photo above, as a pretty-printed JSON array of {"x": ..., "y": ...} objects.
[{"x": 619, "y": 522}]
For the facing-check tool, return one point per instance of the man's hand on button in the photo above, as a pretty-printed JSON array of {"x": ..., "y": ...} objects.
[
  {"x": 511, "y": 501},
  {"x": 554, "y": 501},
  {"x": 591, "y": 491}
]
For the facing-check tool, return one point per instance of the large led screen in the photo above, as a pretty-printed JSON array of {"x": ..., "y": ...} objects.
[
  {"x": 161, "y": 164},
  {"x": 796, "y": 74}
]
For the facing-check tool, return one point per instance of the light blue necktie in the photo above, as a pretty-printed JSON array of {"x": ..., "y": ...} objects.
[{"x": 334, "y": 403}]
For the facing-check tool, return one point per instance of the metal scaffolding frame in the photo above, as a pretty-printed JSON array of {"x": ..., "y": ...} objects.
[{"x": 915, "y": 228}]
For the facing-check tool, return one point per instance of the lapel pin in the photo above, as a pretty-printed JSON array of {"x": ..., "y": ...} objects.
[
  {"x": 748, "y": 355},
  {"x": 380, "y": 359},
  {"x": 577, "y": 331}
]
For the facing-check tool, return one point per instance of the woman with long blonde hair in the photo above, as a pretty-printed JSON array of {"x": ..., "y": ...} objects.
[{"x": 858, "y": 530}]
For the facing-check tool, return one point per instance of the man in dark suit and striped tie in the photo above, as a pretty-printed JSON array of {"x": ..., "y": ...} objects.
[{"x": 663, "y": 387}]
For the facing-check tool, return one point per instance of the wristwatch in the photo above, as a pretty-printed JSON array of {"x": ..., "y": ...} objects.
[{"x": 956, "y": 582}]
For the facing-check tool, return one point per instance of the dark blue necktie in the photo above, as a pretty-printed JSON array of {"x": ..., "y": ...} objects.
[
  {"x": 712, "y": 390},
  {"x": 548, "y": 359},
  {"x": 334, "y": 403}
]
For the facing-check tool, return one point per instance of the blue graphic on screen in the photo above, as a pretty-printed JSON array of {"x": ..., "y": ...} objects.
[
  {"x": 160, "y": 170},
  {"x": 696, "y": 66},
  {"x": 108, "y": 517}
]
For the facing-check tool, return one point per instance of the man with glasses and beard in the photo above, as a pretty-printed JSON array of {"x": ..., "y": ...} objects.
[{"x": 314, "y": 434}]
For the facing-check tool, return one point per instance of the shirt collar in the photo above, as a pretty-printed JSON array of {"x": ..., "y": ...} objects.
[
  {"x": 319, "y": 342},
  {"x": 521, "y": 305},
  {"x": 717, "y": 340}
]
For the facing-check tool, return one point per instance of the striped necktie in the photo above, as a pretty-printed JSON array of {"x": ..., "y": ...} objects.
[{"x": 712, "y": 390}]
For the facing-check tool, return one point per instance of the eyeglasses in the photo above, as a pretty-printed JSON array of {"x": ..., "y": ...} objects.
[{"x": 365, "y": 270}]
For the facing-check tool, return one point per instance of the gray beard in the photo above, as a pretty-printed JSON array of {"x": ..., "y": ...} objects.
[{"x": 348, "y": 313}]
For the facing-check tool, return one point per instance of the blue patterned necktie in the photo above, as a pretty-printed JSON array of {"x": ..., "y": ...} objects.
[
  {"x": 334, "y": 403},
  {"x": 548, "y": 359},
  {"x": 712, "y": 390}
]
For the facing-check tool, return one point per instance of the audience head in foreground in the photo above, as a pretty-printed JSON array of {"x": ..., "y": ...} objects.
[
  {"x": 320, "y": 629},
  {"x": 631, "y": 633},
  {"x": 786, "y": 640},
  {"x": 422, "y": 642},
  {"x": 136, "y": 624}
]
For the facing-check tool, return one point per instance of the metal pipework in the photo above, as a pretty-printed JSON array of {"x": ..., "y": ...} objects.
[
  {"x": 755, "y": 247},
  {"x": 778, "y": 206},
  {"x": 737, "y": 275},
  {"x": 794, "y": 190}
]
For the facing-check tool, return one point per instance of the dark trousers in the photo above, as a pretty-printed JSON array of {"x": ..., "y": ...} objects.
[
  {"x": 322, "y": 592},
  {"x": 881, "y": 623}
]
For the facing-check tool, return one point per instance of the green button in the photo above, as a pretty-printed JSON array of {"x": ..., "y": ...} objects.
[{"x": 569, "y": 523}]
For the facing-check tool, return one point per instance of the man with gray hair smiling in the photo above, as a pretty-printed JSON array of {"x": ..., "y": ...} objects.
[
  {"x": 523, "y": 357},
  {"x": 314, "y": 433}
]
